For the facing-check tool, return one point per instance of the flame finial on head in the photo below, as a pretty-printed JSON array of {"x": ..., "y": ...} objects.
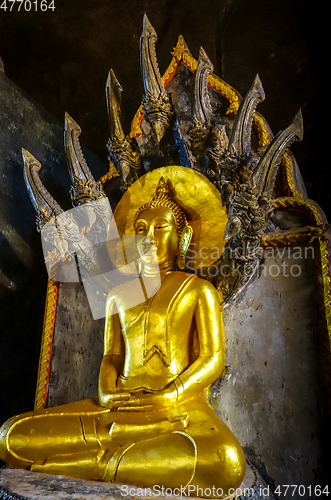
[{"x": 162, "y": 199}]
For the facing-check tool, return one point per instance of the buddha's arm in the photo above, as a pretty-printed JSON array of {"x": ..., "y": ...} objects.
[
  {"x": 205, "y": 369},
  {"x": 210, "y": 362},
  {"x": 112, "y": 359}
]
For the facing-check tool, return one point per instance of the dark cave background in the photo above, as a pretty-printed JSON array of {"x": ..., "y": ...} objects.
[{"x": 61, "y": 60}]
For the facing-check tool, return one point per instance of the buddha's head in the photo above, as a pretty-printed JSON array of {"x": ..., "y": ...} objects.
[
  {"x": 193, "y": 215},
  {"x": 162, "y": 229}
]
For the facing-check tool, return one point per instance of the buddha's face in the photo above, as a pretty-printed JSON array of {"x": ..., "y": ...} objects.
[{"x": 158, "y": 242}]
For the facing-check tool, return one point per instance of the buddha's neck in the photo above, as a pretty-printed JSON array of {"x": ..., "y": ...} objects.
[{"x": 159, "y": 272}]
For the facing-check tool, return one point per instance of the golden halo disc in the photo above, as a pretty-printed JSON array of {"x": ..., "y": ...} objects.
[{"x": 197, "y": 196}]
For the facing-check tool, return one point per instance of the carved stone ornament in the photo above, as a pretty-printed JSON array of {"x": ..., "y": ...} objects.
[{"x": 124, "y": 154}]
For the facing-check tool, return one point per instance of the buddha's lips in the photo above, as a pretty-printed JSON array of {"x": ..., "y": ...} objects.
[{"x": 150, "y": 250}]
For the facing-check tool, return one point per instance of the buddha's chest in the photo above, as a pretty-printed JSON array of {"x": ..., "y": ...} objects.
[{"x": 160, "y": 328}]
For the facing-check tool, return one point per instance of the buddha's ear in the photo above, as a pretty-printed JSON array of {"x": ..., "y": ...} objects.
[{"x": 184, "y": 242}]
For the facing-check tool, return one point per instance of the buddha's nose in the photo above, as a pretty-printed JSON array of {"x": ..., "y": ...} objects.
[{"x": 149, "y": 238}]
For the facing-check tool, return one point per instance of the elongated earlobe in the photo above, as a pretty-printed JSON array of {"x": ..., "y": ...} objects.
[{"x": 184, "y": 242}]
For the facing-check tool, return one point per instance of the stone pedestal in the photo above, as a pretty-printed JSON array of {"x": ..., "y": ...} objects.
[{"x": 16, "y": 484}]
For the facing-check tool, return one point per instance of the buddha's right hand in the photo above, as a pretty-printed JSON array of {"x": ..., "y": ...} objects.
[
  {"x": 113, "y": 398},
  {"x": 121, "y": 433}
]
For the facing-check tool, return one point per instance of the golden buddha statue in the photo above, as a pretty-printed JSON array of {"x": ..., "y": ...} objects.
[{"x": 151, "y": 423}]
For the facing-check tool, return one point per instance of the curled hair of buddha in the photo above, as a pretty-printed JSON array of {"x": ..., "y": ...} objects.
[{"x": 162, "y": 199}]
